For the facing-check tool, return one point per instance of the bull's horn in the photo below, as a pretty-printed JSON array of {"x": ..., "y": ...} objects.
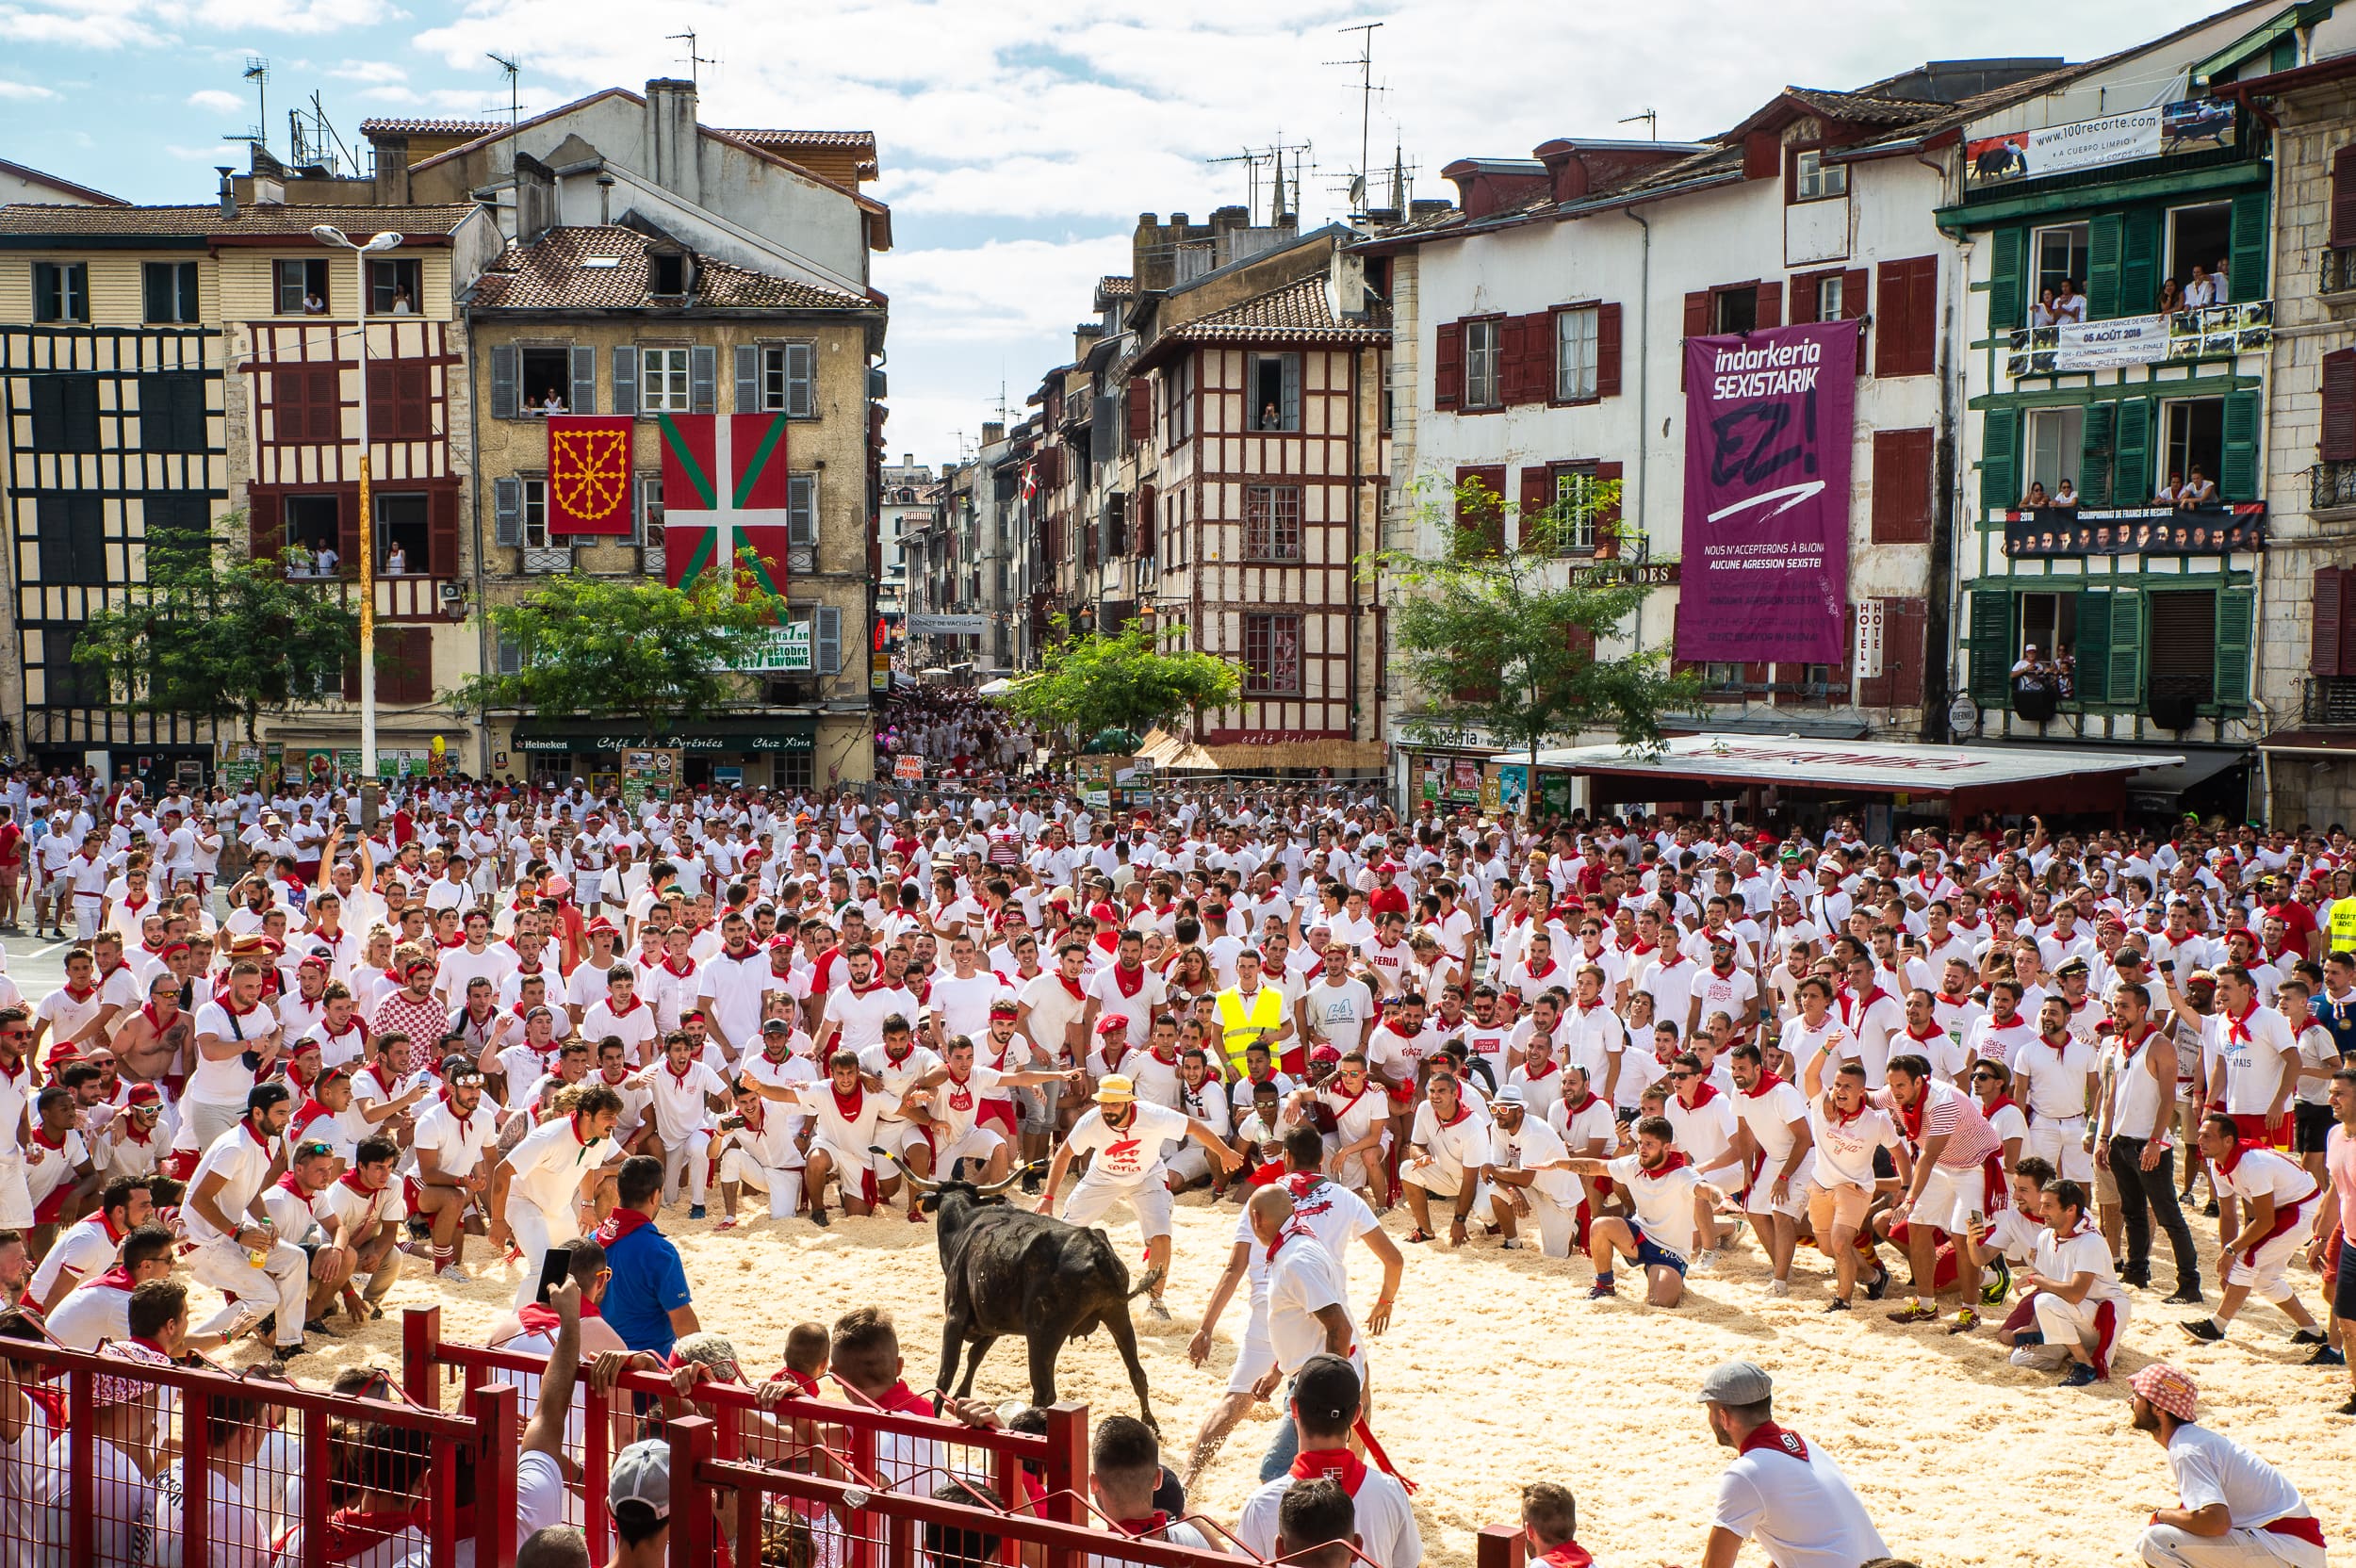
[
  {"x": 1015, "y": 1175},
  {"x": 919, "y": 1182}
]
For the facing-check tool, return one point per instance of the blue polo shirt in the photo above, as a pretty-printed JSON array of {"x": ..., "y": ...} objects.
[{"x": 649, "y": 1284}]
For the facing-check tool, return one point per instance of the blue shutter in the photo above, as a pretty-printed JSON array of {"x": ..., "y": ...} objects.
[
  {"x": 703, "y": 375},
  {"x": 2131, "y": 482},
  {"x": 2006, "y": 257},
  {"x": 2238, "y": 476},
  {"x": 2000, "y": 459},
  {"x": 507, "y": 512},
  {"x": 1991, "y": 646},
  {"x": 2124, "y": 689},
  {"x": 827, "y": 640},
  {"x": 505, "y": 372},
  {"x": 584, "y": 395},
  {"x": 747, "y": 379},
  {"x": 2092, "y": 651},
  {"x": 626, "y": 381},
  {"x": 2247, "y": 246},
  {"x": 2234, "y": 607},
  {"x": 801, "y": 380},
  {"x": 2107, "y": 246}
]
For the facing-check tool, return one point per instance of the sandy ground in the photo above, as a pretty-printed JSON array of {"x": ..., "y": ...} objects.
[{"x": 1497, "y": 1370}]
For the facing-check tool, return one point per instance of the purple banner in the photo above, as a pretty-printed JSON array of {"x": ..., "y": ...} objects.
[{"x": 1768, "y": 418}]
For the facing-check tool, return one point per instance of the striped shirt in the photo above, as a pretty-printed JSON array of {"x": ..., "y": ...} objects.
[{"x": 1970, "y": 1139}]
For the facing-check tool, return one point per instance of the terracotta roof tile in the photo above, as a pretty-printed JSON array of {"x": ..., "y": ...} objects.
[
  {"x": 786, "y": 141},
  {"x": 1117, "y": 289},
  {"x": 1298, "y": 310},
  {"x": 560, "y": 272},
  {"x": 207, "y": 220},
  {"x": 468, "y": 128},
  {"x": 1859, "y": 109}
]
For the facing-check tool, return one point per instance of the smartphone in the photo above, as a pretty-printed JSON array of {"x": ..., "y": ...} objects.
[{"x": 554, "y": 1269}]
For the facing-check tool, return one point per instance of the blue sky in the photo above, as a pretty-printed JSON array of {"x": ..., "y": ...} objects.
[{"x": 1018, "y": 143}]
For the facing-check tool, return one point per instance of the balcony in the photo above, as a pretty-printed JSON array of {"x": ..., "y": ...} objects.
[
  {"x": 2328, "y": 700},
  {"x": 2331, "y": 486},
  {"x": 2335, "y": 274},
  {"x": 547, "y": 560},
  {"x": 650, "y": 558}
]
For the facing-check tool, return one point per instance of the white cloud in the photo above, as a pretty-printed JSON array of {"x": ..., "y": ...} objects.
[
  {"x": 23, "y": 91},
  {"x": 215, "y": 99},
  {"x": 96, "y": 27},
  {"x": 996, "y": 291},
  {"x": 294, "y": 16},
  {"x": 369, "y": 71}
]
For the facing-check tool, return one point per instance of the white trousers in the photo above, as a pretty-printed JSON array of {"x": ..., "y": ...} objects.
[
  {"x": 2165, "y": 1546},
  {"x": 208, "y": 1118},
  {"x": 535, "y": 1231},
  {"x": 782, "y": 1182},
  {"x": 285, "y": 1278},
  {"x": 1557, "y": 1226},
  {"x": 694, "y": 1157},
  {"x": 2061, "y": 1144},
  {"x": 2073, "y": 1322}
]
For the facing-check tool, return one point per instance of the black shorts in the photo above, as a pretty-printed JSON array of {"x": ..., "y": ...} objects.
[
  {"x": 2343, "y": 1287},
  {"x": 1885, "y": 1168},
  {"x": 2311, "y": 1126}
]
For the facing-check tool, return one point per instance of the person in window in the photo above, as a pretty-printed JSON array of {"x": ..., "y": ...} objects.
[
  {"x": 2166, "y": 495},
  {"x": 400, "y": 302},
  {"x": 2220, "y": 283},
  {"x": 2029, "y": 674},
  {"x": 396, "y": 561},
  {"x": 1270, "y": 418},
  {"x": 552, "y": 401},
  {"x": 2036, "y": 499},
  {"x": 2202, "y": 290},
  {"x": 2065, "y": 674},
  {"x": 313, "y": 304},
  {"x": 2198, "y": 491},
  {"x": 2042, "y": 313},
  {"x": 2171, "y": 298},
  {"x": 2071, "y": 306},
  {"x": 324, "y": 561},
  {"x": 2066, "y": 496}
]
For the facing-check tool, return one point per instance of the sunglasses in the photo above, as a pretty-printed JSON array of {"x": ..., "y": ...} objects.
[{"x": 313, "y": 1148}]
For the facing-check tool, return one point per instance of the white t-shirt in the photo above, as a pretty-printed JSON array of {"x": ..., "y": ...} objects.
[
  {"x": 1385, "y": 1521},
  {"x": 1664, "y": 1201},
  {"x": 2209, "y": 1468},
  {"x": 1793, "y": 1499},
  {"x": 1304, "y": 1277},
  {"x": 1130, "y": 1156},
  {"x": 1844, "y": 1146},
  {"x": 227, "y": 1083}
]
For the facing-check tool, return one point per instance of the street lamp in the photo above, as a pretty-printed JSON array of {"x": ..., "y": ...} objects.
[{"x": 327, "y": 234}]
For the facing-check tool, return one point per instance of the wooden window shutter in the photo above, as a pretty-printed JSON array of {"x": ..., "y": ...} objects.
[
  {"x": 1853, "y": 295},
  {"x": 747, "y": 369},
  {"x": 2343, "y": 197},
  {"x": 1141, "y": 524},
  {"x": 1537, "y": 497},
  {"x": 1991, "y": 646},
  {"x": 2098, "y": 440},
  {"x": 1905, "y": 631},
  {"x": 441, "y": 537},
  {"x": 2327, "y": 646},
  {"x": 1607, "y": 349},
  {"x": 1608, "y": 520},
  {"x": 1486, "y": 511},
  {"x": 506, "y": 375},
  {"x": 584, "y": 393},
  {"x": 2126, "y": 672},
  {"x": 1905, "y": 341},
  {"x": 348, "y": 524},
  {"x": 2139, "y": 261},
  {"x": 2337, "y": 442},
  {"x": 2106, "y": 247},
  {"x": 1902, "y": 486},
  {"x": 1770, "y": 303},
  {"x": 2000, "y": 459},
  {"x": 2248, "y": 245},
  {"x": 265, "y": 527},
  {"x": 1448, "y": 366},
  {"x": 1514, "y": 360},
  {"x": 1762, "y": 156},
  {"x": 2237, "y": 477},
  {"x": 2131, "y": 462},
  {"x": 1696, "y": 323},
  {"x": 2007, "y": 259},
  {"x": 405, "y": 665},
  {"x": 626, "y": 380},
  {"x": 507, "y": 512},
  {"x": 827, "y": 640},
  {"x": 1538, "y": 379},
  {"x": 1804, "y": 298},
  {"x": 703, "y": 375},
  {"x": 1140, "y": 408},
  {"x": 2092, "y": 651},
  {"x": 2234, "y": 610}
]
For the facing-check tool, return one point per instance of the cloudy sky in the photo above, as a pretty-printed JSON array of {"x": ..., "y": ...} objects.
[{"x": 1018, "y": 143}]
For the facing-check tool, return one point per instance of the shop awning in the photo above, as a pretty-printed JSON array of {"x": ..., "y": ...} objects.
[
  {"x": 783, "y": 732},
  {"x": 2196, "y": 768},
  {"x": 1856, "y": 767},
  {"x": 1175, "y": 754}
]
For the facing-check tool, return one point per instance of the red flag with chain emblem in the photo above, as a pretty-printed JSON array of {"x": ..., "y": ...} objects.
[{"x": 588, "y": 475}]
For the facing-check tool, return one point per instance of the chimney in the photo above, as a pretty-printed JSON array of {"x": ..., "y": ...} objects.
[
  {"x": 392, "y": 171},
  {"x": 671, "y": 139},
  {"x": 1427, "y": 207},
  {"x": 994, "y": 432},
  {"x": 535, "y": 198},
  {"x": 228, "y": 191},
  {"x": 908, "y": 460},
  {"x": 269, "y": 190}
]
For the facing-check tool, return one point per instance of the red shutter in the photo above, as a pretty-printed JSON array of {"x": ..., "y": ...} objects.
[
  {"x": 2337, "y": 442},
  {"x": 1696, "y": 323},
  {"x": 1854, "y": 285},
  {"x": 1804, "y": 298},
  {"x": 1762, "y": 156},
  {"x": 1607, "y": 351},
  {"x": 1143, "y": 524},
  {"x": 1608, "y": 520},
  {"x": 1537, "y": 493},
  {"x": 1448, "y": 366},
  {"x": 2343, "y": 197},
  {"x": 1902, "y": 486},
  {"x": 348, "y": 524},
  {"x": 1487, "y": 513},
  {"x": 1770, "y": 303},
  {"x": 441, "y": 538},
  {"x": 404, "y": 665},
  {"x": 2327, "y": 648},
  {"x": 1905, "y": 340},
  {"x": 1140, "y": 408},
  {"x": 265, "y": 524},
  {"x": 1900, "y": 684},
  {"x": 1512, "y": 360},
  {"x": 1538, "y": 345}
]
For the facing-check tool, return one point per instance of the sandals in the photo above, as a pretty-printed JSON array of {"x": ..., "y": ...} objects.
[{"x": 1420, "y": 1235}]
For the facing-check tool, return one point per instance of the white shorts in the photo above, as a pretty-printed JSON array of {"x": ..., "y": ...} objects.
[
  {"x": 978, "y": 1143},
  {"x": 1091, "y": 1201},
  {"x": 1254, "y": 1358},
  {"x": 2061, "y": 1144},
  {"x": 1949, "y": 1199},
  {"x": 2268, "y": 1276},
  {"x": 1759, "y": 1199},
  {"x": 16, "y": 1199},
  {"x": 848, "y": 1164}
]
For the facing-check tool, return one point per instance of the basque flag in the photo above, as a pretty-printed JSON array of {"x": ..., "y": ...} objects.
[{"x": 725, "y": 493}]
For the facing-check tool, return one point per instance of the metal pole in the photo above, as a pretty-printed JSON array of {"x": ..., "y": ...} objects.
[{"x": 368, "y": 535}]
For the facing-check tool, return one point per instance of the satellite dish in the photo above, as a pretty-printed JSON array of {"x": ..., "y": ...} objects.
[{"x": 1357, "y": 191}]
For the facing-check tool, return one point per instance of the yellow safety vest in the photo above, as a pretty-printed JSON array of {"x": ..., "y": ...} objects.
[
  {"x": 2343, "y": 927},
  {"x": 1239, "y": 1025}
]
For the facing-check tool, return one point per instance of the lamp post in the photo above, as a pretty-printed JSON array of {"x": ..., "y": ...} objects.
[{"x": 327, "y": 234}]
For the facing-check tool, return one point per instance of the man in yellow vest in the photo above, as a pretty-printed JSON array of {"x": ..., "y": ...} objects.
[
  {"x": 1250, "y": 1013},
  {"x": 2340, "y": 920}
]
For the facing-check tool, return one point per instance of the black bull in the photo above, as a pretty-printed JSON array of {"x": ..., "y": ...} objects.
[{"x": 1006, "y": 1271}]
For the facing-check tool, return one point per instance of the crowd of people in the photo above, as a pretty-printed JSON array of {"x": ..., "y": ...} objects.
[
  {"x": 296, "y": 1057},
  {"x": 959, "y": 734}
]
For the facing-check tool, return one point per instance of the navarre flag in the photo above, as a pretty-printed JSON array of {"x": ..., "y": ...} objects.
[
  {"x": 723, "y": 493},
  {"x": 588, "y": 475}
]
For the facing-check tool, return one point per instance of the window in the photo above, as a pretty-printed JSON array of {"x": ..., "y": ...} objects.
[
  {"x": 1575, "y": 354},
  {"x": 2058, "y": 260},
  {"x": 72, "y": 529},
  {"x": 401, "y": 400},
  {"x": 1814, "y": 180},
  {"x": 1829, "y": 296},
  {"x": 2049, "y": 623},
  {"x": 2193, "y": 436},
  {"x": 1720, "y": 675},
  {"x": 663, "y": 386},
  {"x": 2182, "y": 645},
  {"x": 170, "y": 291},
  {"x": 306, "y": 403},
  {"x": 403, "y": 535},
  {"x": 1271, "y": 522},
  {"x": 176, "y": 517},
  {"x": 801, "y": 508},
  {"x": 2200, "y": 237},
  {"x": 650, "y": 509},
  {"x": 65, "y": 413},
  {"x": 547, "y": 373},
  {"x": 1271, "y": 655},
  {"x": 1178, "y": 405},
  {"x": 1480, "y": 364},
  {"x": 667, "y": 273},
  {"x": 789, "y": 380},
  {"x": 535, "y": 513},
  {"x": 394, "y": 287},
  {"x": 795, "y": 770},
  {"x": 172, "y": 412},
  {"x": 302, "y": 286},
  {"x": 313, "y": 529},
  {"x": 66, "y": 683},
  {"x": 1275, "y": 392},
  {"x": 60, "y": 291},
  {"x": 1736, "y": 309},
  {"x": 2056, "y": 444},
  {"x": 1575, "y": 504}
]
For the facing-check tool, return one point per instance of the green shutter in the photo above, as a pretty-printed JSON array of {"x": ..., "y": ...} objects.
[
  {"x": 2234, "y": 608},
  {"x": 2139, "y": 264},
  {"x": 2005, "y": 309},
  {"x": 1991, "y": 646},
  {"x": 2093, "y": 650},
  {"x": 2095, "y": 452},
  {"x": 2125, "y": 687},
  {"x": 2131, "y": 469},
  {"x": 2237, "y": 475},
  {"x": 2000, "y": 459},
  {"x": 2106, "y": 244},
  {"x": 2250, "y": 281}
]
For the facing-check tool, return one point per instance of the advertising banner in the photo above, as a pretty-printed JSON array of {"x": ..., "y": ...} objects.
[
  {"x": 2082, "y": 144},
  {"x": 2062, "y": 530},
  {"x": 2211, "y": 331},
  {"x": 1768, "y": 429}
]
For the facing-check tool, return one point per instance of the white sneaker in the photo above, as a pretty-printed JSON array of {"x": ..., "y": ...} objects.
[
  {"x": 455, "y": 1274},
  {"x": 1702, "y": 1263},
  {"x": 1778, "y": 1288}
]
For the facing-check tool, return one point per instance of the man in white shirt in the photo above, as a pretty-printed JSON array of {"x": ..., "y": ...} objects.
[
  {"x": 2278, "y": 1202},
  {"x": 237, "y": 1249},
  {"x": 1670, "y": 1230},
  {"x": 2234, "y": 1509},
  {"x": 1125, "y": 1138},
  {"x": 1324, "y": 1405},
  {"x": 236, "y": 1038},
  {"x": 534, "y": 1200},
  {"x": 1528, "y": 1174},
  {"x": 1780, "y": 1490}
]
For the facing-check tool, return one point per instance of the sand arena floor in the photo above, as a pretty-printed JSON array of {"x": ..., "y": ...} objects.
[{"x": 1496, "y": 1371}]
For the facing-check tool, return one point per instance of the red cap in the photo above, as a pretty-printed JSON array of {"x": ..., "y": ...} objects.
[
  {"x": 1111, "y": 1023},
  {"x": 143, "y": 1094}
]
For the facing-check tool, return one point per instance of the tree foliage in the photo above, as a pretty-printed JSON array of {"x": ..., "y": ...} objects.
[
  {"x": 215, "y": 634},
  {"x": 1499, "y": 631},
  {"x": 595, "y": 646},
  {"x": 1123, "y": 681}
]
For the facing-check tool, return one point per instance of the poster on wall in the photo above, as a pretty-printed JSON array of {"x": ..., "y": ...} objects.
[
  {"x": 1768, "y": 429},
  {"x": 2052, "y": 530},
  {"x": 2212, "y": 332},
  {"x": 2188, "y": 125}
]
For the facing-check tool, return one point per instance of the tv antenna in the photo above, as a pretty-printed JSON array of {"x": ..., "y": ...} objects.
[
  {"x": 694, "y": 60},
  {"x": 513, "y": 72},
  {"x": 1284, "y": 188},
  {"x": 1364, "y": 62},
  {"x": 1651, "y": 119},
  {"x": 258, "y": 71}
]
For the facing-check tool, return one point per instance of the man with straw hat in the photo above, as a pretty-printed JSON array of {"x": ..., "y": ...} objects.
[
  {"x": 1125, "y": 1138},
  {"x": 2234, "y": 1510}
]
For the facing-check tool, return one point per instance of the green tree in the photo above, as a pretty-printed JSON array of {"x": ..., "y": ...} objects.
[
  {"x": 593, "y": 646},
  {"x": 1123, "y": 681},
  {"x": 1504, "y": 638},
  {"x": 214, "y": 634}
]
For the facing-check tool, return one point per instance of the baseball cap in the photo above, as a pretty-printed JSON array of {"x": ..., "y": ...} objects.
[
  {"x": 642, "y": 1475},
  {"x": 1326, "y": 1390},
  {"x": 1737, "y": 1382},
  {"x": 775, "y": 1026}
]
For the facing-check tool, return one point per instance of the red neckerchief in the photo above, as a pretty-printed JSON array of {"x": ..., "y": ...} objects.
[
  {"x": 1763, "y": 1086},
  {"x": 1865, "y": 1002},
  {"x": 635, "y": 1003},
  {"x": 1773, "y": 1438},
  {"x": 1539, "y": 1074},
  {"x": 118, "y": 1278},
  {"x": 902, "y": 1400},
  {"x": 43, "y": 1138},
  {"x": 804, "y": 1384},
  {"x": 1671, "y": 957},
  {"x": 1937, "y": 1033},
  {"x": 1529, "y": 973},
  {"x": 1706, "y": 1093},
  {"x": 310, "y": 1111},
  {"x": 621, "y": 1222},
  {"x": 1129, "y": 988},
  {"x": 847, "y": 1106},
  {"x": 1953, "y": 1001},
  {"x": 1292, "y": 1227},
  {"x": 1568, "y": 1555},
  {"x": 349, "y": 1534},
  {"x": 1151, "y": 1524},
  {"x": 536, "y": 1318},
  {"x": 1570, "y": 1111},
  {"x": 147, "y": 1009},
  {"x": 1462, "y": 1110},
  {"x": 1999, "y": 1104},
  {"x": 2131, "y": 1046},
  {"x": 2062, "y": 1048},
  {"x": 1675, "y": 1161},
  {"x": 289, "y": 1182},
  {"x": 88, "y": 991},
  {"x": 2237, "y": 1028},
  {"x": 351, "y": 1180},
  {"x": 677, "y": 973},
  {"x": 1070, "y": 986}
]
